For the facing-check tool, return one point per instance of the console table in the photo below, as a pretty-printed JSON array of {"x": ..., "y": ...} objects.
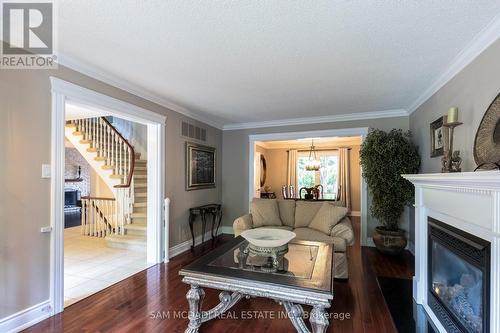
[{"x": 214, "y": 210}]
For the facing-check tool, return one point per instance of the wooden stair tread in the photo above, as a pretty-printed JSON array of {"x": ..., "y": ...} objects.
[{"x": 136, "y": 226}]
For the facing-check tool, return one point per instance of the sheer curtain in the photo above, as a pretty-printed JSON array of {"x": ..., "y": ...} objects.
[
  {"x": 292, "y": 169},
  {"x": 344, "y": 178}
]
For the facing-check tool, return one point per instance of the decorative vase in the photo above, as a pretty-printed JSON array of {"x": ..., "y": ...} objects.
[{"x": 390, "y": 242}]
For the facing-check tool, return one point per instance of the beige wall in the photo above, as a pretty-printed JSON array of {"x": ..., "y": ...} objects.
[
  {"x": 25, "y": 121},
  {"x": 277, "y": 165},
  {"x": 235, "y": 157},
  {"x": 472, "y": 90}
]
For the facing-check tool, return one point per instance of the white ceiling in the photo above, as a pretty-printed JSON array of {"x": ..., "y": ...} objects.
[{"x": 250, "y": 61}]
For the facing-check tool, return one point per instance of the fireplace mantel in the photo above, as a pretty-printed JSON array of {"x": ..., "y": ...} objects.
[{"x": 469, "y": 201}]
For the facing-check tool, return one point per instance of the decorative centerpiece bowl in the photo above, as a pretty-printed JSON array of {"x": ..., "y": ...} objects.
[
  {"x": 267, "y": 237},
  {"x": 269, "y": 243}
]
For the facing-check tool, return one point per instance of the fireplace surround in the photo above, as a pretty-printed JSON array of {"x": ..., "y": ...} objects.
[{"x": 463, "y": 207}]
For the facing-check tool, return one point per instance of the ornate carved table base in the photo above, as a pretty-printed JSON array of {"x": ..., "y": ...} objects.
[{"x": 195, "y": 295}]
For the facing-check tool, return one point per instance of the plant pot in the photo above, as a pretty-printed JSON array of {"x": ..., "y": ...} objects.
[{"x": 390, "y": 242}]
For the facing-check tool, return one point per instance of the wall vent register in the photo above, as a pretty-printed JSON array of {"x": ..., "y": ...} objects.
[{"x": 193, "y": 132}]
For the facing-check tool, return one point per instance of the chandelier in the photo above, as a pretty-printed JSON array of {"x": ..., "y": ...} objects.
[{"x": 312, "y": 164}]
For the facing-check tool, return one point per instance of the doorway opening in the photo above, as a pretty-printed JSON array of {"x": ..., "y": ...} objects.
[
  {"x": 107, "y": 192},
  {"x": 315, "y": 165}
]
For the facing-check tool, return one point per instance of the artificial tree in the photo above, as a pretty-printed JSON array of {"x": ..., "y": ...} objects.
[{"x": 385, "y": 156}]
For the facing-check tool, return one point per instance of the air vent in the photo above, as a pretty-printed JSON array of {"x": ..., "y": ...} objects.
[{"x": 193, "y": 132}]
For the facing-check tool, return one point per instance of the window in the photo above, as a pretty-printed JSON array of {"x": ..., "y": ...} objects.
[{"x": 326, "y": 175}]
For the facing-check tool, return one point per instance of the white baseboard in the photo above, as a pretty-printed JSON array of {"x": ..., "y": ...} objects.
[
  {"x": 186, "y": 246},
  {"x": 355, "y": 213},
  {"x": 369, "y": 242},
  {"x": 227, "y": 230},
  {"x": 410, "y": 246},
  {"x": 26, "y": 318}
]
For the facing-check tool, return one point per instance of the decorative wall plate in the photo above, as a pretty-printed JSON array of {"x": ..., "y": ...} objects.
[{"x": 487, "y": 142}]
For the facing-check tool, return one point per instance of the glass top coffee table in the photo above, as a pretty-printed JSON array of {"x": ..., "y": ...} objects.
[{"x": 304, "y": 276}]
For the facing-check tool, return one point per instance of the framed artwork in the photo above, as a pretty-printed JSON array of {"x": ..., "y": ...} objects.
[
  {"x": 200, "y": 166},
  {"x": 439, "y": 137}
]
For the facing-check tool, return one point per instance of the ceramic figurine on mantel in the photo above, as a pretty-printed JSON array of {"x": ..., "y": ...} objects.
[{"x": 451, "y": 159}]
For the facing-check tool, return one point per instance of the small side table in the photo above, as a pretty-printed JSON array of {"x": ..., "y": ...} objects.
[
  {"x": 215, "y": 210},
  {"x": 267, "y": 195}
]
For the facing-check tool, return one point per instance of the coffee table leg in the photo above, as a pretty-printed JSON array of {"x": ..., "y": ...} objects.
[
  {"x": 195, "y": 297},
  {"x": 318, "y": 320},
  {"x": 295, "y": 314}
]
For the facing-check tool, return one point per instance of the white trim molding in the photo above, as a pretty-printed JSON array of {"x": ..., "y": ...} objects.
[
  {"x": 133, "y": 89},
  {"x": 26, "y": 318},
  {"x": 469, "y": 201},
  {"x": 319, "y": 119},
  {"x": 359, "y": 131},
  {"x": 227, "y": 230},
  {"x": 186, "y": 245},
  {"x": 478, "y": 44}
]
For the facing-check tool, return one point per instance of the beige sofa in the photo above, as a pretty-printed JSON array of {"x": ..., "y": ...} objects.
[{"x": 310, "y": 220}]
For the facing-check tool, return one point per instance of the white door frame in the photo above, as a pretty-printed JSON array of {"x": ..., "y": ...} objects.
[
  {"x": 157, "y": 240},
  {"x": 359, "y": 131}
]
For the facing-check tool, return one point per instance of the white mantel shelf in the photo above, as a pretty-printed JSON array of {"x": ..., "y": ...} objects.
[
  {"x": 481, "y": 179},
  {"x": 469, "y": 201}
]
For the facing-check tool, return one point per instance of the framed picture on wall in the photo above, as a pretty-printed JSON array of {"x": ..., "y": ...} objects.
[
  {"x": 200, "y": 166},
  {"x": 439, "y": 137}
]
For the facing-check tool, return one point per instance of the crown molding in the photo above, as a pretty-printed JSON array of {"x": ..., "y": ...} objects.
[
  {"x": 487, "y": 36},
  {"x": 293, "y": 144},
  {"x": 317, "y": 120},
  {"x": 133, "y": 89}
]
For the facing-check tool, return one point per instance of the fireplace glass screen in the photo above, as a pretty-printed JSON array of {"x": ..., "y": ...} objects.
[{"x": 459, "y": 287}]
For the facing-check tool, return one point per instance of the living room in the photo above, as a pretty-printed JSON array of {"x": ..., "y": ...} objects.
[{"x": 408, "y": 90}]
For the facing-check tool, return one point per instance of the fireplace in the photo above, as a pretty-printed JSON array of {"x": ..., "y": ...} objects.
[{"x": 458, "y": 278}]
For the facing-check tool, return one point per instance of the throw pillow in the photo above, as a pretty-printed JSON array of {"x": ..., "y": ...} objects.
[
  {"x": 287, "y": 212},
  {"x": 265, "y": 212},
  {"x": 327, "y": 217},
  {"x": 305, "y": 212}
]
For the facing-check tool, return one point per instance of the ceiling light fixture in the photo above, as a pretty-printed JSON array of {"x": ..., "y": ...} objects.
[{"x": 312, "y": 164}]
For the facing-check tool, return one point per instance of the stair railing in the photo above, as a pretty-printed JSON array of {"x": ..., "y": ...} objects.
[
  {"x": 119, "y": 156},
  {"x": 99, "y": 217}
]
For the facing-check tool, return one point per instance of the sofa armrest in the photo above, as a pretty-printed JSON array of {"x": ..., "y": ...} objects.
[
  {"x": 242, "y": 223},
  {"x": 344, "y": 230}
]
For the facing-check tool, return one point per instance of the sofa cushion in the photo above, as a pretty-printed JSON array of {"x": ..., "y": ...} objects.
[
  {"x": 308, "y": 234},
  {"x": 265, "y": 212},
  {"x": 327, "y": 217},
  {"x": 287, "y": 212},
  {"x": 305, "y": 212}
]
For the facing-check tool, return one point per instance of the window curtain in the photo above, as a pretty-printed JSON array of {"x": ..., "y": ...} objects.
[
  {"x": 344, "y": 178},
  {"x": 292, "y": 169}
]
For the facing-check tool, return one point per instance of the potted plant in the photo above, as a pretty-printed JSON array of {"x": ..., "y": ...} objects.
[{"x": 385, "y": 156}]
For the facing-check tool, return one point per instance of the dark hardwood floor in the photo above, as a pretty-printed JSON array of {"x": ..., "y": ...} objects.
[{"x": 149, "y": 300}]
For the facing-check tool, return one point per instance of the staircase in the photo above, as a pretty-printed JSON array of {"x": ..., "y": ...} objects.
[{"x": 121, "y": 220}]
